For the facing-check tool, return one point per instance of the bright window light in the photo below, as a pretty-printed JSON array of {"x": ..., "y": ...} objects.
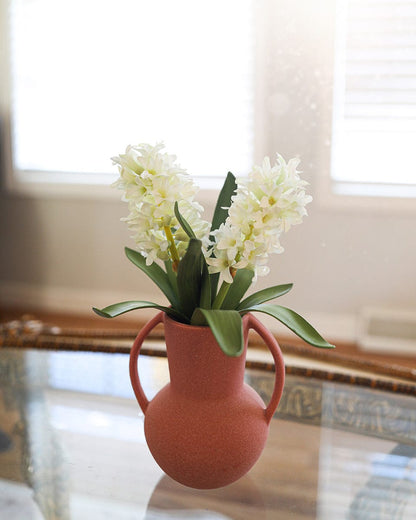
[
  {"x": 375, "y": 94},
  {"x": 89, "y": 77}
]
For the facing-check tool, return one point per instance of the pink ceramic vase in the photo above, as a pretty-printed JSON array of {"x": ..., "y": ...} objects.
[{"x": 206, "y": 428}]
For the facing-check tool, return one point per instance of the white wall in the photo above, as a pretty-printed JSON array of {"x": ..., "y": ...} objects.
[{"x": 68, "y": 255}]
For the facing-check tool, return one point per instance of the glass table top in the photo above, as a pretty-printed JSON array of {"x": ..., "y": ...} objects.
[{"x": 72, "y": 447}]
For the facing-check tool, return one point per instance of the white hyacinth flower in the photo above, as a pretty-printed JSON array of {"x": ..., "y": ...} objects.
[
  {"x": 266, "y": 204},
  {"x": 152, "y": 182}
]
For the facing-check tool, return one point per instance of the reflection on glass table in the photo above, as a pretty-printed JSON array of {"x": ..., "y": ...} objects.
[{"x": 72, "y": 447}]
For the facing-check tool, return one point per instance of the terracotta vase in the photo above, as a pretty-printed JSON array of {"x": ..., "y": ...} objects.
[{"x": 206, "y": 428}]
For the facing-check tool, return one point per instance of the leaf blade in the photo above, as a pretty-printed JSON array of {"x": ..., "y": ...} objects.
[
  {"x": 294, "y": 322},
  {"x": 155, "y": 273},
  {"x": 241, "y": 282},
  {"x": 227, "y": 328},
  {"x": 205, "y": 299},
  {"x": 190, "y": 278},
  {"x": 205, "y": 296},
  {"x": 220, "y": 216},
  {"x": 183, "y": 222},
  {"x": 223, "y": 201},
  {"x": 265, "y": 295},
  {"x": 172, "y": 278},
  {"x": 116, "y": 309}
]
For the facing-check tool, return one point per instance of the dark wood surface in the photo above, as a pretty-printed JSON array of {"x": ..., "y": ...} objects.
[{"x": 126, "y": 325}]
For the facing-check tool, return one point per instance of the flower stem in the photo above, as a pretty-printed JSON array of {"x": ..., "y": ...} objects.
[
  {"x": 222, "y": 293},
  {"x": 172, "y": 248}
]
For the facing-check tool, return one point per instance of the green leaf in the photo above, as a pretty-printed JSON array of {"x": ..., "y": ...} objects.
[
  {"x": 190, "y": 278},
  {"x": 184, "y": 224},
  {"x": 198, "y": 319},
  {"x": 220, "y": 216},
  {"x": 265, "y": 295},
  {"x": 155, "y": 273},
  {"x": 227, "y": 328},
  {"x": 223, "y": 201},
  {"x": 241, "y": 283},
  {"x": 294, "y": 322},
  {"x": 120, "y": 308},
  {"x": 172, "y": 278},
  {"x": 205, "y": 299}
]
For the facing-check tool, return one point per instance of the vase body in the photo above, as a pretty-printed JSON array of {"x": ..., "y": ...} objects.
[{"x": 206, "y": 428}]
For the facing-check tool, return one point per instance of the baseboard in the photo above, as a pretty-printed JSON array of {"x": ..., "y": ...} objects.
[{"x": 335, "y": 327}]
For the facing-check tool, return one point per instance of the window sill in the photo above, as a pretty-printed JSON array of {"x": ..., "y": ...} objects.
[
  {"x": 62, "y": 185},
  {"x": 390, "y": 191},
  {"x": 374, "y": 198}
]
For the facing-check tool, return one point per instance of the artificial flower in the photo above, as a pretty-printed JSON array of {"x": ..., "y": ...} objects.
[
  {"x": 247, "y": 223},
  {"x": 266, "y": 204},
  {"x": 152, "y": 182}
]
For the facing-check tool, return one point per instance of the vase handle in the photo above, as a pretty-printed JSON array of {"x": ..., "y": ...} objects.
[
  {"x": 134, "y": 354},
  {"x": 269, "y": 339}
]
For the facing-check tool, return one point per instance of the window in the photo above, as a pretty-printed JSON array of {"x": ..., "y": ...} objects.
[
  {"x": 88, "y": 77},
  {"x": 374, "y": 119},
  {"x": 222, "y": 83}
]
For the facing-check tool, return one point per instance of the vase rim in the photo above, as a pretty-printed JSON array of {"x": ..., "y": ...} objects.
[{"x": 188, "y": 326}]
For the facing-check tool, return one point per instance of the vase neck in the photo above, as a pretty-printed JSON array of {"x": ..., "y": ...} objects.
[{"x": 198, "y": 366}]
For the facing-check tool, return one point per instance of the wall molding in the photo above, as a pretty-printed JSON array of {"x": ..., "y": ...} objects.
[{"x": 334, "y": 327}]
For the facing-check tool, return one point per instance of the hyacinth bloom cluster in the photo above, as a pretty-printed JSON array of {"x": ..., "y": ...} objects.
[
  {"x": 266, "y": 204},
  {"x": 206, "y": 269},
  {"x": 152, "y": 182}
]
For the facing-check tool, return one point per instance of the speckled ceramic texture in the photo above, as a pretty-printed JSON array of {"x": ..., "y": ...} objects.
[{"x": 206, "y": 428}]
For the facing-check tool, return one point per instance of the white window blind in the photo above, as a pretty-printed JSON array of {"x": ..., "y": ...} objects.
[
  {"x": 375, "y": 94},
  {"x": 89, "y": 77}
]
